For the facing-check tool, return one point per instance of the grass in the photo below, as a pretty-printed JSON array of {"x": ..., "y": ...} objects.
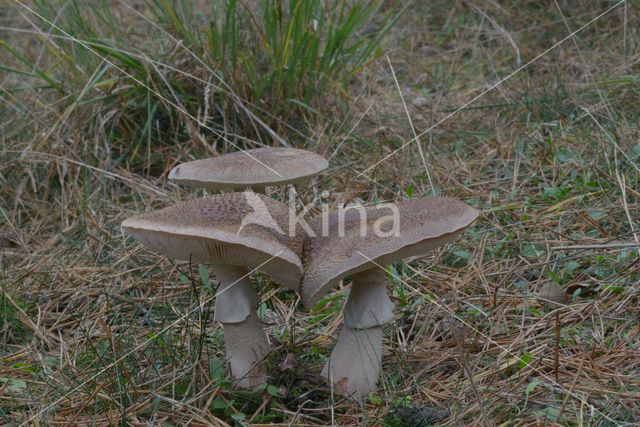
[
  {"x": 550, "y": 156},
  {"x": 256, "y": 67}
]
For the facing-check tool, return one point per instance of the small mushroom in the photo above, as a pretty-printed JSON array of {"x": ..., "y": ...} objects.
[
  {"x": 255, "y": 169},
  {"x": 235, "y": 232},
  {"x": 359, "y": 242}
]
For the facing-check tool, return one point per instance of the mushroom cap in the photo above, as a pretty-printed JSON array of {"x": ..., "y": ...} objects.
[
  {"x": 258, "y": 167},
  {"x": 243, "y": 229},
  {"x": 424, "y": 224}
]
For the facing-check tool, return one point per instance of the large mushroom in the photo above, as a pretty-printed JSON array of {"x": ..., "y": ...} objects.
[
  {"x": 255, "y": 169},
  {"x": 360, "y": 242},
  {"x": 234, "y": 232}
]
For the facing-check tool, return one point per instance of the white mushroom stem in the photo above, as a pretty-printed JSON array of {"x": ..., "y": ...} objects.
[
  {"x": 245, "y": 346},
  {"x": 368, "y": 304},
  {"x": 244, "y": 340},
  {"x": 356, "y": 361}
]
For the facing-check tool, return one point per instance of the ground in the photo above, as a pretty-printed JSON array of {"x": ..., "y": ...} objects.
[{"x": 534, "y": 127}]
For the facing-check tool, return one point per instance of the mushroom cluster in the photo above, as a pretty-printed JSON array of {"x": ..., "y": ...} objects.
[
  {"x": 236, "y": 233},
  {"x": 240, "y": 232}
]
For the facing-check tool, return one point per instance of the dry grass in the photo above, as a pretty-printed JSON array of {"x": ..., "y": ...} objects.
[{"x": 550, "y": 156}]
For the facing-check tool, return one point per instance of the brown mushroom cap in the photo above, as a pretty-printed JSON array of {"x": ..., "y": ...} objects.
[
  {"x": 424, "y": 224},
  {"x": 243, "y": 229},
  {"x": 246, "y": 169}
]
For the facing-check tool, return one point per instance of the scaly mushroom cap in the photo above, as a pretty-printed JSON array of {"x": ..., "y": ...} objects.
[
  {"x": 242, "y": 229},
  {"x": 424, "y": 224},
  {"x": 260, "y": 167}
]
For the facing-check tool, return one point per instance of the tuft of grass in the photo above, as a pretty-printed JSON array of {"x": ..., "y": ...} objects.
[
  {"x": 279, "y": 55},
  {"x": 224, "y": 73}
]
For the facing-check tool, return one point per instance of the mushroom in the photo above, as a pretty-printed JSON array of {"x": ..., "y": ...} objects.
[
  {"x": 235, "y": 232},
  {"x": 250, "y": 169},
  {"x": 359, "y": 242},
  {"x": 255, "y": 169}
]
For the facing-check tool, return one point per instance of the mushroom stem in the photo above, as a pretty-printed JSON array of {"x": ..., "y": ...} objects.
[
  {"x": 236, "y": 298},
  {"x": 244, "y": 340},
  {"x": 368, "y": 304},
  {"x": 356, "y": 361},
  {"x": 245, "y": 346}
]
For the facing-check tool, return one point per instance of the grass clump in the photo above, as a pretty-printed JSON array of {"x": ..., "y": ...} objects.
[
  {"x": 279, "y": 55},
  {"x": 212, "y": 74}
]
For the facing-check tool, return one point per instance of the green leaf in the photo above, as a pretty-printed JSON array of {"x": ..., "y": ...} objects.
[
  {"x": 129, "y": 61},
  {"x": 274, "y": 391},
  {"x": 217, "y": 369},
  {"x": 218, "y": 403},
  {"x": 262, "y": 310},
  {"x": 181, "y": 388},
  {"x": 328, "y": 300},
  {"x": 596, "y": 215},
  {"x": 12, "y": 384},
  {"x": 564, "y": 155},
  {"x": 376, "y": 399},
  {"x": 549, "y": 413},
  {"x": 576, "y": 294},
  {"x": 27, "y": 367},
  {"x": 462, "y": 253},
  {"x": 19, "y": 56},
  {"x": 572, "y": 266},
  {"x": 398, "y": 288},
  {"x": 238, "y": 417},
  {"x": 530, "y": 388},
  {"x": 203, "y": 272},
  {"x": 524, "y": 360},
  {"x": 393, "y": 275},
  {"x": 532, "y": 250},
  {"x": 616, "y": 289},
  {"x": 409, "y": 191}
]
